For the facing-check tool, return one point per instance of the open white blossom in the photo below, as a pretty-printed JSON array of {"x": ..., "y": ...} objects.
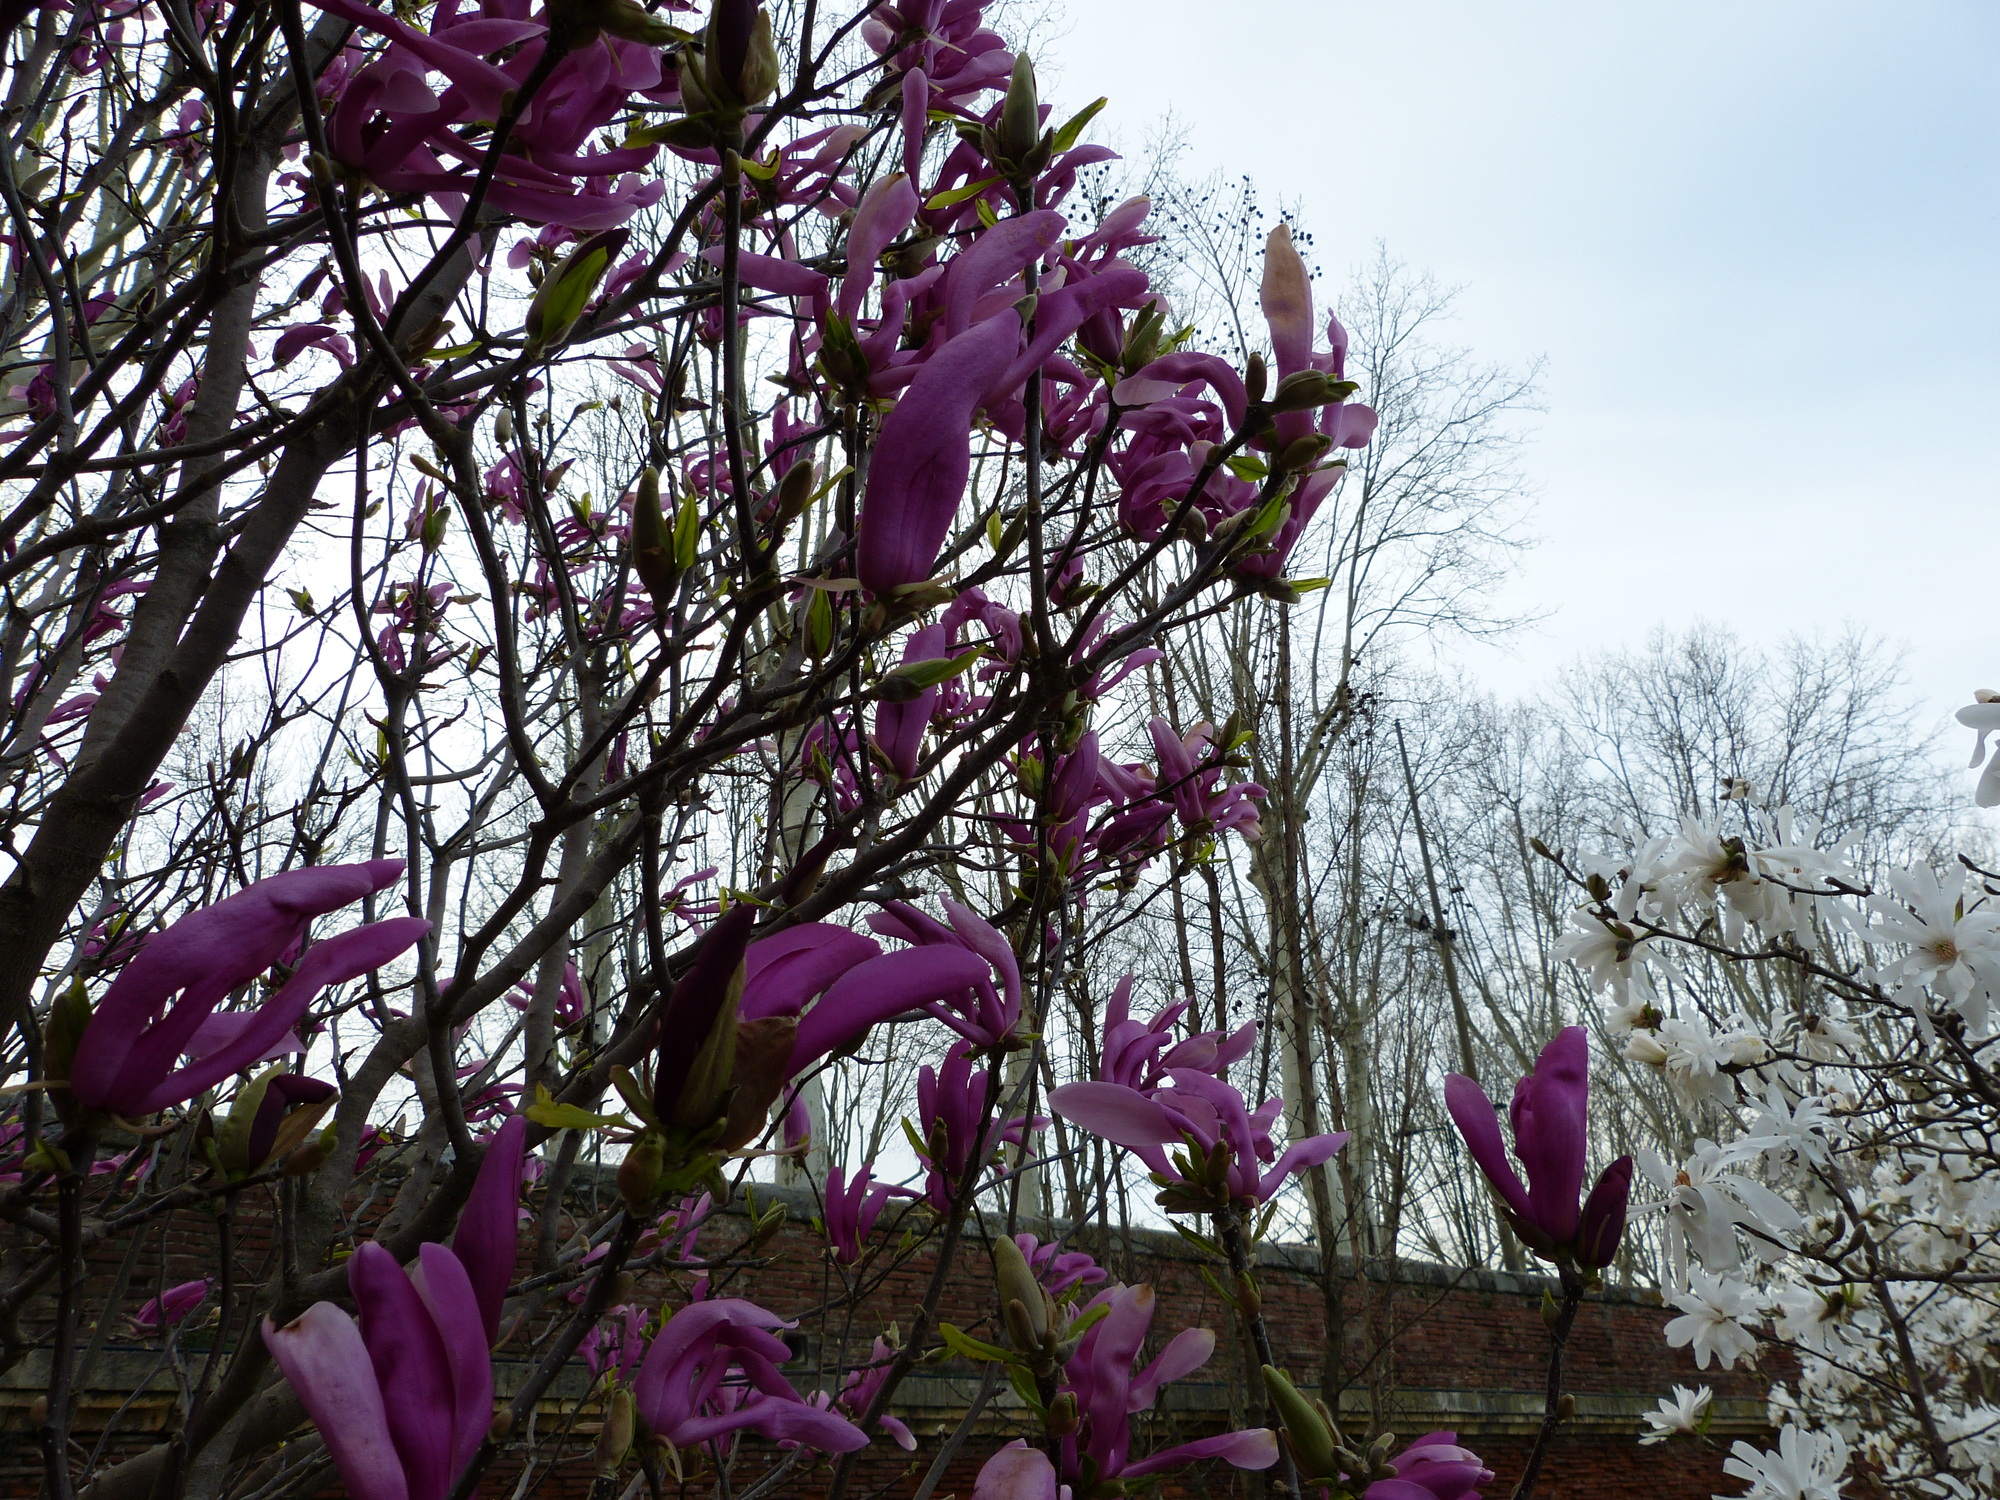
[
  {"x": 1812, "y": 1318},
  {"x": 1603, "y": 952},
  {"x": 1982, "y": 715},
  {"x": 1804, "y": 1466},
  {"x": 1955, "y": 953},
  {"x": 1679, "y": 1413},
  {"x": 1713, "y": 1311}
]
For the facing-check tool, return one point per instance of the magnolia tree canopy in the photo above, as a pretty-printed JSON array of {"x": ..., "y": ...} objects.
[{"x": 580, "y": 577}]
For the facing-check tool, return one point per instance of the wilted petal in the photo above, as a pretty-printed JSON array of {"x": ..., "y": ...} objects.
[
  {"x": 1016, "y": 1472},
  {"x": 328, "y": 1367}
]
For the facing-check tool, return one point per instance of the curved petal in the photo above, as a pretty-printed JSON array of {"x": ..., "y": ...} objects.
[
  {"x": 1472, "y": 1112},
  {"x": 206, "y": 954},
  {"x": 1298, "y": 1156},
  {"x": 454, "y": 1306},
  {"x": 1123, "y": 1116},
  {"x": 335, "y": 961},
  {"x": 1185, "y": 1353},
  {"x": 878, "y": 989},
  {"x": 1253, "y": 1448}
]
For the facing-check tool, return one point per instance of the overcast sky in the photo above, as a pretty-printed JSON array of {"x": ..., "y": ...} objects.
[{"x": 1756, "y": 242}]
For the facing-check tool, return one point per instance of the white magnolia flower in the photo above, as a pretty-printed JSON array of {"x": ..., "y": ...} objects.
[
  {"x": 1605, "y": 953},
  {"x": 1712, "y": 1310},
  {"x": 1798, "y": 1130},
  {"x": 1804, "y": 1466},
  {"x": 1982, "y": 715},
  {"x": 1678, "y": 1413},
  {"x": 1702, "y": 867},
  {"x": 1810, "y": 1317},
  {"x": 1958, "y": 956},
  {"x": 1707, "y": 1201}
]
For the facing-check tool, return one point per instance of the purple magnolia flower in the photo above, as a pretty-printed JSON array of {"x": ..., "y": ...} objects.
[
  {"x": 852, "y": 1209},
  {"x": 951, "y": 1103},
  {"x": 1140, "y": 1054},
  {"x": 1434, "y": 1467},
  {"x": 1057, "y": 1269},
  {"x": 1221, "y": 1145},
  {"x": 1108, "y": 1392},
  {"x": 170, "y": 1307},
  {"x": 982, "y": 1014},
  {"x": 1199, "y": 801},
  {"x": 713, "y": 1369},
  {"x": 570, "y": 1001},
  {"x": 489, "y": 1226},
  {"x": 158, "y": 1002},
  {"x": 617, "y": 1350},
  {"x": 1550, "y": 1116},
  {"x": 860, "y": 1388},
  {"x": 403, "y": 1400}
]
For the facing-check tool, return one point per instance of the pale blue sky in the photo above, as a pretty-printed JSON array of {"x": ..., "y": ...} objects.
[{"x": 1758, "y": 242}]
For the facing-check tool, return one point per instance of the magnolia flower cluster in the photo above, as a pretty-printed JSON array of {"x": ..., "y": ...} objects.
[{"x": 1839, "y": 1197}]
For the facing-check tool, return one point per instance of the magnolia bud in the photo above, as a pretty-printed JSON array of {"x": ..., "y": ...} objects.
[
  {"x": 1063, "y": 1415},
  {"x": 639, "y": 1173},
  {"x": 1310, "y": 1436},
  {"x": 795, "y": 490},
  {"x": 1018, "y": 1287},
  {"x": 1302, "y": 390},
  {"x": 503, "y": 427},
  {"x": 614, "y": 1437},
  {"x": 567, "y": 290},
  {"x": 1302, "y": 453},
  {"x": 1256, "y": 378},
  {"x": 502, "y": 1426},
  {"x": 653, "y": 544},
  {"x": 1020, "y": 128}
]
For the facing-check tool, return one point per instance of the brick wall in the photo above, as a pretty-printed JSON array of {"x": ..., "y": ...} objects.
[{"x": 1452, "y": 1349}]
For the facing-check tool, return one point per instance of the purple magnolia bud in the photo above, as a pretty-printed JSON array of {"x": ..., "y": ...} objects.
[
  {"x": 276, "y": 1112},
  {"x": 692, "y": 1023},
  {"x": 1603, "y": 1225},
  {"x": 1550, "y": 1119},
  {"x": 1286, "y": 296},
  {"x": 172, "y": 1305}
]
